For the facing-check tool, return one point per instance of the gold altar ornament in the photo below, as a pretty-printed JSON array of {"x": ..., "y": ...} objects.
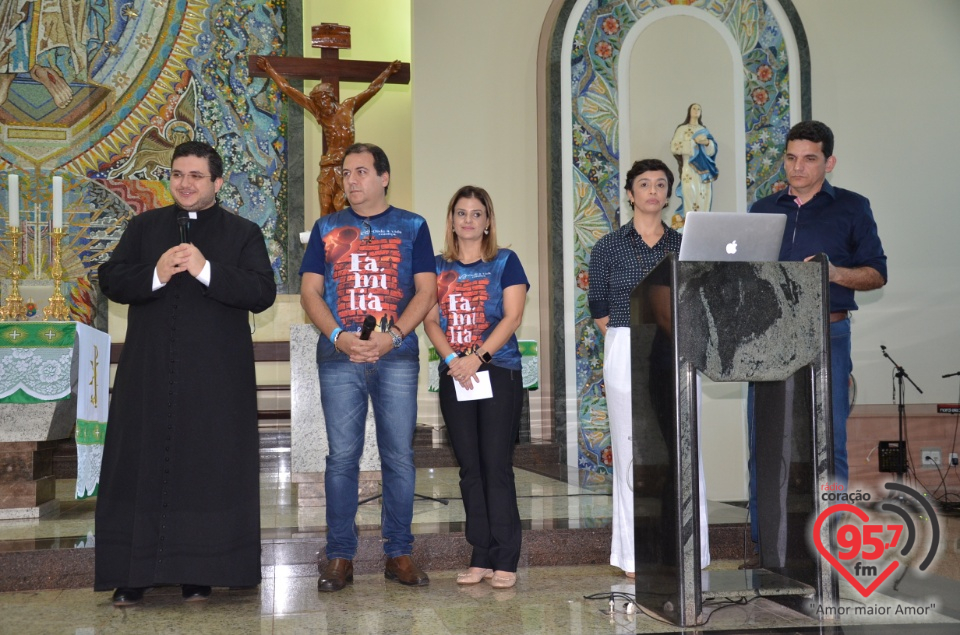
[
  {"x": 57, "y": 308},
  {"x": 13, "y": 308}
]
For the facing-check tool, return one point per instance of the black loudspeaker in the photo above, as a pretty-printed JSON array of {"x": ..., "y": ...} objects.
[{"x": 889, "y": 452}]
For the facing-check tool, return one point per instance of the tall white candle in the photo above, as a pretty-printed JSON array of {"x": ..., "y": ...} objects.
[
  {"x": 57, "y": 202},
  {"x": 13, "y": 200}
]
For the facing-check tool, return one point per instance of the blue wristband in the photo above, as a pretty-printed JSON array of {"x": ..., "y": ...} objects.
[
  {"x": 449, "y": 358},
  {"x": 333, "y": 335}
]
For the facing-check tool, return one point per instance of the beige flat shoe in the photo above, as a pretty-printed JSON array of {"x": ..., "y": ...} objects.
[
  {"x": 474, "y": 575},
  {"x": 630, "y": 575},
  {"x": 503, "y": 579}
]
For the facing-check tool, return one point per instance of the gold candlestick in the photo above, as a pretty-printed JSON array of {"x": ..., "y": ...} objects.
[
  {"x": 57, "y": 308},
  {"x": 13, "y": 308}
]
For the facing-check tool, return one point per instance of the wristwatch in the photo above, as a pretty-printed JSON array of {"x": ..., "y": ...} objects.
[
  {"x": 397, "y": 340},
  {"x": 484, "y": 356}
]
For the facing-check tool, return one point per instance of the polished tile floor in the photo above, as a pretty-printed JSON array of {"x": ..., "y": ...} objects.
[{"x": 545, "y": 600}]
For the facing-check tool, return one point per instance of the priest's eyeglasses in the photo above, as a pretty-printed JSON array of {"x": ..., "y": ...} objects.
[{"x": 191, "y": 177}]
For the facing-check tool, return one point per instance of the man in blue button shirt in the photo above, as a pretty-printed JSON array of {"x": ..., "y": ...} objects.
[{"x": 826, "y": 219}]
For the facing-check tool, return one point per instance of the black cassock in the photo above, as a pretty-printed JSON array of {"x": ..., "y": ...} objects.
[{"x": 179, "y": 498}]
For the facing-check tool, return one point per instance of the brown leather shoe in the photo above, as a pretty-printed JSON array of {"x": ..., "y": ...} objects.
[
  {"x": 405, "y": 571},
  {"x": 337, "y": 574}
]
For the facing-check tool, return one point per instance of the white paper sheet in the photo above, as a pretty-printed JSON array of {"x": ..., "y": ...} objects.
[{"x": 481, "y": 389}]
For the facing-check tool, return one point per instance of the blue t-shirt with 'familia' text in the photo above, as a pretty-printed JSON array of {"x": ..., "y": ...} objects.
[
  {"x": 470, "y": 298},
  {"x": 368, "y": 264}
]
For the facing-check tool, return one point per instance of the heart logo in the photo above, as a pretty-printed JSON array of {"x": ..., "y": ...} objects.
[{"x": 829, "y": 557}]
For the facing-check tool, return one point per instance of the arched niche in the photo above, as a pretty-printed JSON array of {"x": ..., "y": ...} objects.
[
  {"x": 661, "y": 80},
  {"x": 595, "y": 121}
]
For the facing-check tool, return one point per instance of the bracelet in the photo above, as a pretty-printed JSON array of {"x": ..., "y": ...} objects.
[
  {"x": 399, "y": 330},
  {"x": 334, "y": 334},
  {"x": 337, "y": 334},
  {"x": 449, "y": 358}
]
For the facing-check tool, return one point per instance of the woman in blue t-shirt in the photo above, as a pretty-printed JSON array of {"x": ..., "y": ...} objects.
[{"x": 481, "y": 293}]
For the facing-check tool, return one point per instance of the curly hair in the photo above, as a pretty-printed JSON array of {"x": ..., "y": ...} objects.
[{"x": 649, "y": 165}]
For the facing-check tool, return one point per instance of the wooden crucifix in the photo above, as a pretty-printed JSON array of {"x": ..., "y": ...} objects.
[{"x": 336, "y": 118}]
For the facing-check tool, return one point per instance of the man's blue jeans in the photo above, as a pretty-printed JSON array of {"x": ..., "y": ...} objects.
[
  {"x": 841, "y": 366},
  {"x": 391, "y": 384}
]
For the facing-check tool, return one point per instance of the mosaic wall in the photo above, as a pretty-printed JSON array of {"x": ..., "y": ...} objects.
[
  {"x": 101, "y": 91},
  {"x": 595, "y": 55}
]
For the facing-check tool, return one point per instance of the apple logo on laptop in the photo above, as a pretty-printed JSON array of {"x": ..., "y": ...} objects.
[{"x": 732, "y": 247}]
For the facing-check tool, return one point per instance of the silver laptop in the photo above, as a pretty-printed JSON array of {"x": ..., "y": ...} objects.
[{"x": 732, "y": 237}]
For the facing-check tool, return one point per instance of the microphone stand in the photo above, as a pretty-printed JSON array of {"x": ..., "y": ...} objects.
[
  {"x": 901, "y": 422},
  {"x": 901, "y": 411}
]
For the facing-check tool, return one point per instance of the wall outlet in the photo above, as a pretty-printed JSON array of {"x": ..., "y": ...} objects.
[
  {"x": 954, "y": 460},
  {"x": 930, "y": 457}
]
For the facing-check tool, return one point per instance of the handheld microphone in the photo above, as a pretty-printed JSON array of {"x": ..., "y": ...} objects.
[
  {"x": 369, "y": 323},
  {"x": 183, "y": 220}
]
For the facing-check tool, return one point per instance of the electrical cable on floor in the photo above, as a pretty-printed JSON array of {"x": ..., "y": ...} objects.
[
  {"x": 727, "y": 603},
  {"x": 629, "y": 600},
  {"x": 631, "y": 608}
]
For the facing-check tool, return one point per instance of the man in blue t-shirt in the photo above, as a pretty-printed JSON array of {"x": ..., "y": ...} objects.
[
  {"x": 839, "y": 223},
  {"x": 369, "y": 264}
]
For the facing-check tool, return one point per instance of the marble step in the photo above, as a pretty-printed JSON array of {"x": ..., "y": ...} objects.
[{"x": 68, "y": 562}]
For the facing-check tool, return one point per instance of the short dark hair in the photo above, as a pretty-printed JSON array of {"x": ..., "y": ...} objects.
[
  {"x": 649, "y": 165},
  {"x": 815, "y": 131},
  {"x": 380, "y": 161},
  {"x": 203, "y": 151}
]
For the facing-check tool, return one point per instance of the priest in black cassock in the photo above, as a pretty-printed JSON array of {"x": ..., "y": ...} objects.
[{"x": 179, "y": 490}]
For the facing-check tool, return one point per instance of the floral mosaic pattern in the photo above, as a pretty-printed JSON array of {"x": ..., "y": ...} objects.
[{"x": 595, "y": 54}]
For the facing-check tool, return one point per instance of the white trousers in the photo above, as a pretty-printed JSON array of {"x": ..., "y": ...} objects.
[{"x": 616, "y": 378}]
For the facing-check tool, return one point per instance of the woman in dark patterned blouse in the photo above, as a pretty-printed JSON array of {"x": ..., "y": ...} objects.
[{"x": 618, "y": 262}]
